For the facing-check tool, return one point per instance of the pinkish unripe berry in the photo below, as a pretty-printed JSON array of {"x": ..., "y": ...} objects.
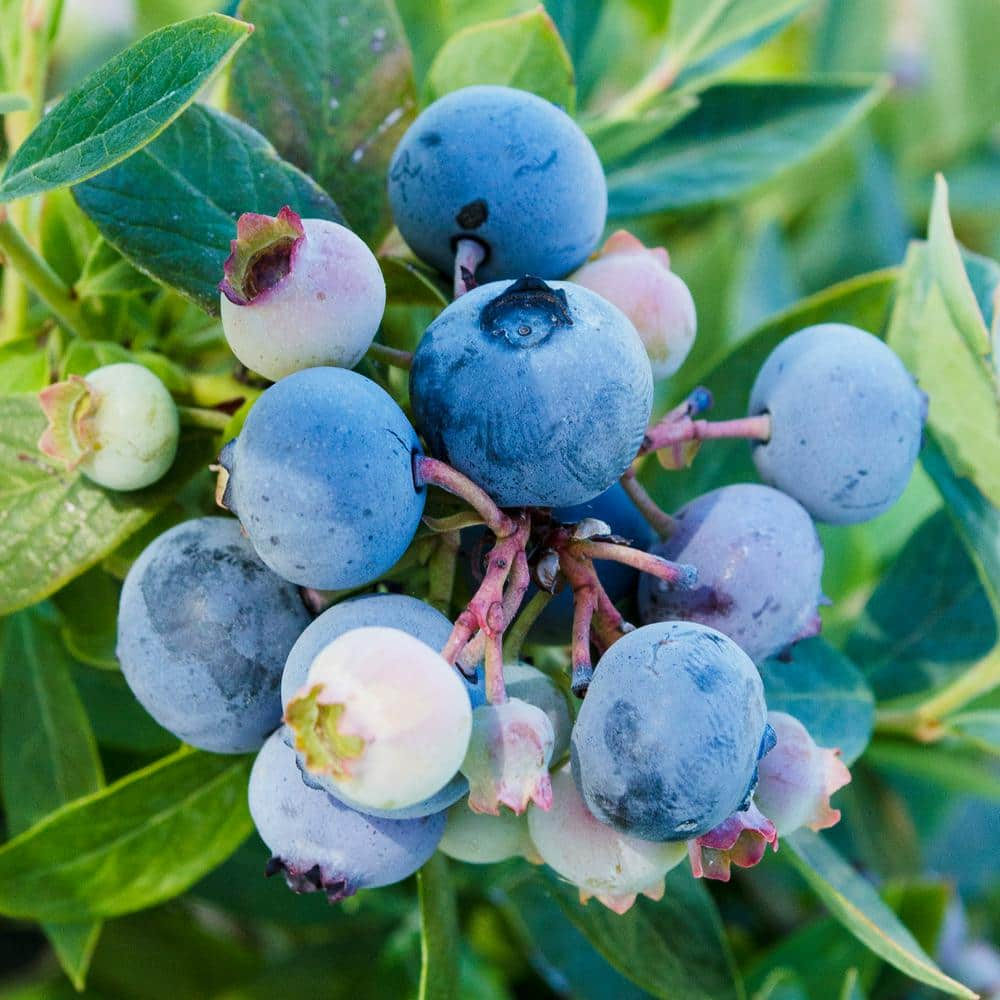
[
  {"x": 612, "y": 867},
  {"x": 482, "y": 839},
  {"x": 299, "y": 293},
  {"x": 507, "y": 762},
  {"x": 739, "y": 840},
  {"x": 639, "y": 281},
  {"x": 383, "y": 716},
  {"x": 797, "y": 779}
]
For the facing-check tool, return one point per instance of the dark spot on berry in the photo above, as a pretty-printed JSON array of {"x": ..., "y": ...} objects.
[{"x": 473, "y": 215}]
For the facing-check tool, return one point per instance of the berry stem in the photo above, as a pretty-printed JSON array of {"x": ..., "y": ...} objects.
[
  {"x": 496, "y": 691},
  {"x": 518, "y": 632},
  {"x": 672, "y": 431},
  {"x": 679, "y": 574},
  {"x": 469, "y": 254},
  {"x": 433, "y": 472},
  {"x": 441, "y": 571},
  {"x": 657, "y": 518},
  {"x": 584, "y": 606},
  {"x": 390, "y": 356},
  {"x": 196, "y": 416}
]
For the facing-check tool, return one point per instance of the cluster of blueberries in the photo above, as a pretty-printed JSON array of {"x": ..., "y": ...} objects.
[{"x": 386, "y": 731}]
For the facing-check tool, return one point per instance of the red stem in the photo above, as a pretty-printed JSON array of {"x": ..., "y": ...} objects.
[
  {"x": 657, "y": 518},
  {"x": 433, "y": 472},
  {"x": 679, "y": 574},
  {"x": 469, "y": 254},
  {"x": 671, "y": 431}
]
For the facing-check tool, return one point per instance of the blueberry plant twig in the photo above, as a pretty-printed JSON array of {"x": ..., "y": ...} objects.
[
  {"x": 679, "y": 574},
  {"x": 42, "y": 280},
  {"x": 657, "y": 518},
  {"x": 469, "y": 254},
  {"x": 516, "y": 635},
  {"x": 392, "y": 356},
  {"x": 429, "y": 471},
  {"x": 196, "y": 416}
]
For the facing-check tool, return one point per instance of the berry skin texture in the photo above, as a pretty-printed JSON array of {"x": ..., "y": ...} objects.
[
  {"x": 759, "y": 565},
  {"x": 846, "y": 422},
  {"x": 537, "y": 346},
  {"x": 665, "y": 746},
  {"x": 797, "y": 779},
  {"x": 536, "y": 688},
  {"x": 639, "y": 281},
  {"x": 390, "y": 611},
  {"x": 482, "y": 839},
  {"x": 321, "y": 478},
  {"x": 203, "y": 631},
  {"x": 507, "y": 762},
  {"x": 118, "y": 426},
  {"x": 299, "y": 293},
  {"x": 506, "y": 168},
  {"x": 321, "y": 845},
  {"x": 603, "y": 863},
  {"x": 383, "y": 716}
]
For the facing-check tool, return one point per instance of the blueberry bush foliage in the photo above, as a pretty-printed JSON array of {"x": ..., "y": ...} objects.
[{"x": 804, "y": 162}]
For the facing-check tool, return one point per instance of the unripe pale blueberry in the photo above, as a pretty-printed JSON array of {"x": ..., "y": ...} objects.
[
  {"x": 118, "y": 426},
  {"x": 846, "y": 422},
  {"x": 483, "y": 839},
  {"x": 539, "y": 392},
  {"x": 507, "y": 762},
  {"x": 299, "y": 293},
  {"x": 383, "y": 716},
  {"x": 321, "y": 845},
  {"x": 503, "y": 167},
  {"x": 390, "y": 611},
  {"x": 797, "y": 779},
  {"x": 759, "y": 565},
  {"x": 639, "y": 281},
  {"x": 740, "y": 840},
  {"x": 666, "y": 743},
  {"x": 611, "y": 866},
  {"x": 536, "y": 688}
]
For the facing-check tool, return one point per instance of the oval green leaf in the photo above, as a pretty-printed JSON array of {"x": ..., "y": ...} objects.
[
  {"x": 140, "y": 841},
  {"x": 741, "y": 136},
  {"x": 330, "y": 83},
  {"x": 172, "y": 208},
  {"x": 856, "y": 904},
  {"x": 482, "y": 54},
  {"x": 56, "y": 524},
  {"x": 825, "y": 691},
  {"x": 123, "y": 105}
]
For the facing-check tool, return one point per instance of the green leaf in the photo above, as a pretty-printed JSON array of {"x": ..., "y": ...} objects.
[
  {"x": 929, "y": 620},
  {"x": 645, "y": 944},
  {"x": 825, "y": 691},
  {"x": 330, "y": 83},
  {"x": 741, "y": 136},
  {"x": 616, "y": 138},
  {"x": 954, "y": 769},
  {"x": 781, "y": 984},
  {"x": 107, "y": 273},
  {"x": 172, "y": 208},
  {"x": 13, "y": 102},
  {"x": 122, "y": 106},
  {"x": 48, "y": 754},
  {"x": 700, "y": 32},
  {"x": 856, "y": 904},
  {"x": 88, "y": 610},
  {"x": 140, "y": 841},
  {"x": 407, "y": 282},
  {"x": 980, "y": 726},
  {"x": 24, "y": 367},
  {"x": 54, "y": 525},
  {"x": 941, "y": 336},
  {"x": 439, "y": 932},
  {"x": 483, "y": 54}
]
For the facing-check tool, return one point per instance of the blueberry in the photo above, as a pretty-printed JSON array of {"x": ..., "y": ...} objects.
[
  {"x": 392, "y": 611},
  {"x": 321, "y": 478},
  {"x": 299, "y": 293},
  {"x": 540, "y": 393},
  {"x": 846, "y": 422},
  {"x": 506, "y": 168},
  {"x": 118, "y": 426},
  {"x": 320, "y": 844},
  {"x": 204, "y": 628},
  {"x": 536, "y": 688},
  {"x": 482, "y": 839},
  {"x": 759, "y": 564},
  {"x": 666, "y": 742}
]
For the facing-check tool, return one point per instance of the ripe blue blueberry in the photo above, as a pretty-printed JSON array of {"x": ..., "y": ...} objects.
[
  {"x": 391, "y": 611},
  {"x": 321, "y": 845},
  {"x": 759, "y": 565},
  {"x": 667, "y": 740},
  {"x": 846, "y": 422},
  {"x": 506, "y": 168},
  {"x": 204, "y": 628},
  {"x": 321, "y": 478},
  {"x": 538, "y": 392}
]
